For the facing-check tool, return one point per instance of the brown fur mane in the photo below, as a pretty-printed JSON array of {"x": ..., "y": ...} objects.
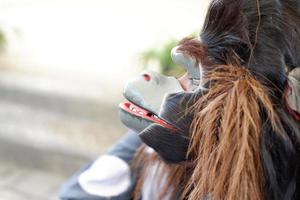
[{"x": 225, "y": 141}]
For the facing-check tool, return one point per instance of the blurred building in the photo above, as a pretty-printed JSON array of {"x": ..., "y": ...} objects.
[{"x": 62, "y": 74}]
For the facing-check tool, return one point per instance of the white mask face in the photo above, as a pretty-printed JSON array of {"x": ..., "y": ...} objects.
[
  {"x": 148, "y": 89},
  {"x": 145, "y": 95}
]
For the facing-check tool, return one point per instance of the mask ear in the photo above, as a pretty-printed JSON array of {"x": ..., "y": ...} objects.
[{"x": 186, "y": 61}]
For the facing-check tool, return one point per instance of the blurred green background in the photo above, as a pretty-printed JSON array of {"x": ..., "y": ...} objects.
[
  {"x": 2, "y": 40},
  {"x": 161, "y": 56}
]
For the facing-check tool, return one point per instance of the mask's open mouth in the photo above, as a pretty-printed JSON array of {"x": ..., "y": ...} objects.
[{"x": 143, "y": 113}]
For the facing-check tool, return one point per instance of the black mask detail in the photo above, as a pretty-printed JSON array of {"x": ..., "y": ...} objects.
[{"x": 172, "y": 145}]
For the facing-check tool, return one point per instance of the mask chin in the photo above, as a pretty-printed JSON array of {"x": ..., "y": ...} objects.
[
  {"x": 171, "y": 145},
  {"x": 176, "y": 111}
]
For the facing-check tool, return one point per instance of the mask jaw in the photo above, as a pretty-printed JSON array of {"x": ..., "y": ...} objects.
[{"x": 172, "y": 146}]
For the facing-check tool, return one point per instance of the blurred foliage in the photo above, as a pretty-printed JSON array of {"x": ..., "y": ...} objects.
[
  {"x": 2, "y": 40},
  {"x": 162, "y": 56}
]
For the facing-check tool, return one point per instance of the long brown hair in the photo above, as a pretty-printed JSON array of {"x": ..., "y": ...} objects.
[{"x": 226, "y": 137}]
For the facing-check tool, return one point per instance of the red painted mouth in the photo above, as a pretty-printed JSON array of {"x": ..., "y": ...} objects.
[{"x": 143, "y": 113}]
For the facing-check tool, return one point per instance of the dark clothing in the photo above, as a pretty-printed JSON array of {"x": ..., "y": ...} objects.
[{"x": 124, "y": 149}]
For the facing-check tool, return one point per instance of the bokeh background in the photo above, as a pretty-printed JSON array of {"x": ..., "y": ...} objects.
[{"x": 63, "y": 65}]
